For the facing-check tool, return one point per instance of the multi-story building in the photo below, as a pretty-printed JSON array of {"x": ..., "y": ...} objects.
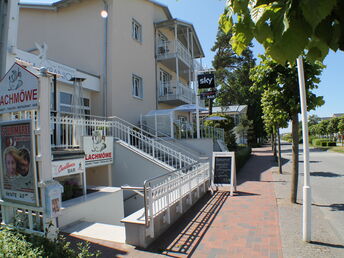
[{"x": 145, "y": 58}]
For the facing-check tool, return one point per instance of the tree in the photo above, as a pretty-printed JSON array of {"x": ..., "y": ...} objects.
[
  {"x": 282, "y": 80},
  {"x": 274, "y": 117},
  {"x": 323, "y": 125},
  {"x": 228, "y": 126},
  {"x": 313, "y": 120},
  {"x": 332, "y": 127},
  {"x": 286, "y": 27},
  {"x": 232, "y": 75},
  {"x": 341, "y": 128}
]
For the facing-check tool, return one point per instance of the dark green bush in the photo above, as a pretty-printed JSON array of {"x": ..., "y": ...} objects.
[
  {"x": 331, "y": 143},
  {"x": 242, "y": 154},
  {"x": 16, "y": 244},
  {"x": 323, "y": 143}
]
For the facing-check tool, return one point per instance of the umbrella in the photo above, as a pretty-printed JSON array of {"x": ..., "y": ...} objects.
[
  {"x": 215, "y": 118},
  {"x": 189, "y": 108}
]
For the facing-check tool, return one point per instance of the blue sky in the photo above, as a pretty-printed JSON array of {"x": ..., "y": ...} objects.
[{"x": 204, "y": 14}]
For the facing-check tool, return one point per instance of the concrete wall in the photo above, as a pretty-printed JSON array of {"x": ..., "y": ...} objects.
[
  {"x": 132, "y": 169},
  {"x": 105, "y": 206}
]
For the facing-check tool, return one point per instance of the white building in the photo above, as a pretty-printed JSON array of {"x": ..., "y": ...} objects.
[{"x": 110, "y": 72}]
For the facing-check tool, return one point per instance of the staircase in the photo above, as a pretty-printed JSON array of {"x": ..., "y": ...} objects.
[{"x": 72, "y": 129}]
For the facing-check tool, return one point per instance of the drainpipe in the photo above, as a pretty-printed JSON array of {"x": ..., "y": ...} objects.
[{"x": 106, "y": 8}]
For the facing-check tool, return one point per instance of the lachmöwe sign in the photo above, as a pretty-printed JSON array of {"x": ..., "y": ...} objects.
[
  {"x": 68, "y": 167},
  {"x": 18, "y": 90},
  {"x": 98, "y": 149}
]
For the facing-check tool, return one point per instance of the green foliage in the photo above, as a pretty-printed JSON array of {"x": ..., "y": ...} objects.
[
  {"x": 341, "y": 125},
  {"x": 241, "y": 156},
  {"x": 232, "y": 75},
  {"x": 227, "y": 125},
  {"x": 286, "y": 28},
  {"x": 287, "y": 137},
  {"x": 17, "y": 244},
  {"x": 313, "y": 120},
  {"x": 323, "y": 142}
]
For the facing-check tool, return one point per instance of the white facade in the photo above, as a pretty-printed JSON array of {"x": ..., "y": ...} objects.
[{"x": 75, "y": 35}]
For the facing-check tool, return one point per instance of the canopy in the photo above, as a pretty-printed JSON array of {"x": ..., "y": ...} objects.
[
  {"x": 215, "y": 118},
  {"x": 189, "y": 108}
]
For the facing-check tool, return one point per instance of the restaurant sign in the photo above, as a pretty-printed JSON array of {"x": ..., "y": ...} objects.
[
  {"x": 18, "y": 90},
  {"x": 98, "y": 149},
  {"x": 68, "y": 167}
]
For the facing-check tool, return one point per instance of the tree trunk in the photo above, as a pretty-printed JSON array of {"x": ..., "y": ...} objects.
[
  {"x": 295, "y": 157},
  {"x": 279, "y": 151}
]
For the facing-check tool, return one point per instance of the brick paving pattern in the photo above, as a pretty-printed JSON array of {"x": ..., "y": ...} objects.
[{"x": 244, "y": 225}]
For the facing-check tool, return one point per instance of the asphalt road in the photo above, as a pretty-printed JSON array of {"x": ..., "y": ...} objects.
[{"x": 327, "y": 183}]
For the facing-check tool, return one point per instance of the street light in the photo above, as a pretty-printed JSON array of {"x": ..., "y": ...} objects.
[{"x": 104, "y": 14}]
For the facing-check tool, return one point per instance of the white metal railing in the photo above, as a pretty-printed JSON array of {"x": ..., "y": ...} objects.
[
  {"x": 175, "y": 90},
  {"x": 173, "y": 48},
  {"x": 69, "y": 129},
  {"x": 25, "y": 218},
  {"x": 162, "y": 192},
  {"x": 183, "y": 130}
]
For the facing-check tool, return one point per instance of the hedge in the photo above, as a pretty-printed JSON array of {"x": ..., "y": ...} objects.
[
  {"x": 242, "y": 154},
  {"x": 323, "y": 142}
]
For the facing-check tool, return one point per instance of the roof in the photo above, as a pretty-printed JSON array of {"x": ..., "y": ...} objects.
[
  {"x": 338, "y": 114},
  {"x": 65, "y": 3},
  {"x": 230, "y": 109},
  {"x": 171, "y": 22}
]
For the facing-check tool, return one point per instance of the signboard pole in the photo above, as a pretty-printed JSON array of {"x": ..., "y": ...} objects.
[
  {"x": 44, "y": 156},
  {"x": 197, "y": 105}
]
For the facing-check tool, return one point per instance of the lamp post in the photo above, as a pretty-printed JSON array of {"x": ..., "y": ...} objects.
[
  {"x": 307, "y": 198},
  {"x": 104, "y": 14}
]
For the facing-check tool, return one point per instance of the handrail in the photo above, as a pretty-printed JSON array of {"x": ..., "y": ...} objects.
[
  {"x": 74, "y": 126},
  {"x": 179, "y": 173}
]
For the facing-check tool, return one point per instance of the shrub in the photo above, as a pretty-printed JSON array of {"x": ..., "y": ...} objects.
[
  {"x": 16, "y": 244},
  {"x": 242, "y": 154},
  {"x": 323, "y": 143},
  {"x": 331, "y": 143}
]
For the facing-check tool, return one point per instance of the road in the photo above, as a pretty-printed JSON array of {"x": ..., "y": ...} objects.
[{"x": 327, "y": 183}]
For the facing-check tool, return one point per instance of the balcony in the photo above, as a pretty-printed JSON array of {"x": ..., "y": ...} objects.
[{"x": 175, "y": 93}]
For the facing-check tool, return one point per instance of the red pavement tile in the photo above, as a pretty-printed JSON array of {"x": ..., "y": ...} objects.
[{"x": 244, "y": 225}]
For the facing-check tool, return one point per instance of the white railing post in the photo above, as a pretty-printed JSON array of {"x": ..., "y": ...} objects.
[
  {"x": 180, "y": 160},
  {"x": 151, "y": 214}
]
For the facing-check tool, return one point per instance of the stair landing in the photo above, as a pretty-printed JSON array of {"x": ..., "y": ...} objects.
[{"x": 96, "y": 230}]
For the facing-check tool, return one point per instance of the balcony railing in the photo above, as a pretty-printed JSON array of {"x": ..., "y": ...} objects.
[
  {"x": 171, "y": 49},
  {"x": 174, "y": 90}
]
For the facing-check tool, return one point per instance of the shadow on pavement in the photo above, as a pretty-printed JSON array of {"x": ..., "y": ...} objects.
[
  {"x": 334, "y": 206},
  {"x": 327, "y": 244},
  {"x": 325, "y": 174},
  {"x": 185, "y": 235},
  {"x": 107, "y": 248}
]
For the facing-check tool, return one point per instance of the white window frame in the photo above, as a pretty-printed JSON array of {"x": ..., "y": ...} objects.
[
  {"x": 70, "y": 105},
  {"x": 137, "y": 86},
  {"x": 136, "y": 29}
]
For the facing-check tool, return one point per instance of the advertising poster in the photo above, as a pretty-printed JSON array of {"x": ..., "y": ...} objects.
[
  {"x": 98, "y": 149},
  {"x": 68, "y": 167},
  {"x": 18, "y": 178},
  {"x": 18, "y": 90}
]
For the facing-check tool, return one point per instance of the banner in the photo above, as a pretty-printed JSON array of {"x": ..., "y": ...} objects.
[
  {"x": 18, "y": 182},
  {"x": 68, "y": 167},
  {"x": 18, "y": 90},
  {"x": 98, "y": 149}
]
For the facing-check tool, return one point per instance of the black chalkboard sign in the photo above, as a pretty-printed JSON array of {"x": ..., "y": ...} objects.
[{"x": 222, "y": 170}]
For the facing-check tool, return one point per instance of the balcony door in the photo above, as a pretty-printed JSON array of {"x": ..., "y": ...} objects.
[
  {"x": 162, "y": 44},
  {"x": 165, "y": 83}
]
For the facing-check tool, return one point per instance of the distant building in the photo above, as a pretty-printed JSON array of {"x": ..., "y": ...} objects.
[{"x": 338, "y": 115}]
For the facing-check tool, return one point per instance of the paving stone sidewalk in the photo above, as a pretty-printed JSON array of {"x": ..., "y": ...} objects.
[{"x": 244, "y": 225}]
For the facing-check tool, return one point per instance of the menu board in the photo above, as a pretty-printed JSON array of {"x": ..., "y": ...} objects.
[{"x": 222, "y": 170}]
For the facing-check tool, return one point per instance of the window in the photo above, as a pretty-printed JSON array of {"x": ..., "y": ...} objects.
[
  {"x": 66, "y": 103},
  {"x": 136, "y": 31},
  {"x": 137, "y": 87}
]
